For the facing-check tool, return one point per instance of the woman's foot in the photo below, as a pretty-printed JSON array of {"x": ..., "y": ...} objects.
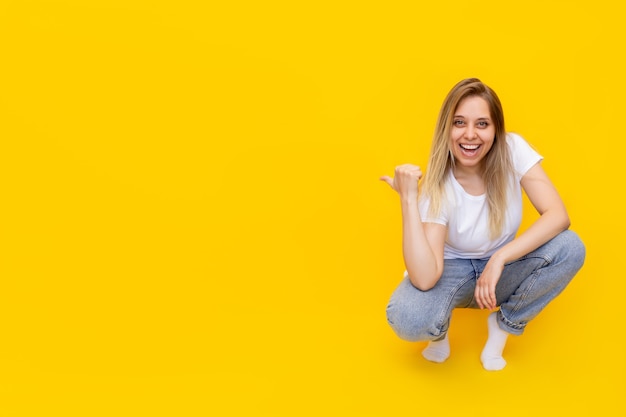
[
  {"x": 437, "y": 351},
  {"x": 491, "y": 356}
]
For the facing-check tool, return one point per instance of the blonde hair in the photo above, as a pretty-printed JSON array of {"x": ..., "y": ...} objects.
[{"x": 497, "y": 166}]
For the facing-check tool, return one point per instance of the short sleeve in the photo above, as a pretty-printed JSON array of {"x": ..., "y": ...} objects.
[
  {"x": 423, "y": 206},
  {"x": 523, "y": 155}
]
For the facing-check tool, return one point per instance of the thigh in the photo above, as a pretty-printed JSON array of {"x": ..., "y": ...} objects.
[
  {"x": 515, "y": 274},
  {"x": 543, "y": 273},
  {"x": 433, "y": 307},
  {"x": 550, "y": 262}
]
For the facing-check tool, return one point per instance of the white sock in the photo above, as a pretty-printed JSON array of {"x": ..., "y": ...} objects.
[
  {"x": 437, "y": 351},
  {"x": 491, "y": 356}
]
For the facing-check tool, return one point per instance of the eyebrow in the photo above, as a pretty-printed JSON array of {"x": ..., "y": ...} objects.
[{"x": 463, "y": 117}]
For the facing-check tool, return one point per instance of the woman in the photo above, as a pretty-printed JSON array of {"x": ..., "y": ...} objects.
[{"x": 459, "y": 230}]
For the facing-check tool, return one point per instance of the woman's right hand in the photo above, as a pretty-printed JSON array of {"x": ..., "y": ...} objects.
[{"x": 405, "y": 180}]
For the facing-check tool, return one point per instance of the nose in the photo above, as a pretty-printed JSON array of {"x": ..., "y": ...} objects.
[{"x": 470, "y": 132}]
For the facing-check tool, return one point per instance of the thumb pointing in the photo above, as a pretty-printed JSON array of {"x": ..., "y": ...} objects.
[{"x": 387, "y": 179}]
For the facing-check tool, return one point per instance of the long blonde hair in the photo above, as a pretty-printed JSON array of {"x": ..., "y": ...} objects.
[{"x": 497, "y": 165}]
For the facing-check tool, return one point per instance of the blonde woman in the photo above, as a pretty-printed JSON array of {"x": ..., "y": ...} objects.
[{"x": 460, "y": 236}]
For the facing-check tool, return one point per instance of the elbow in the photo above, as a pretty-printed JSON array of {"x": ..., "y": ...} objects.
[
  {"x": 424, "y": 280},
  {"x": 566, "y": 221},
  {"x": 559, "y": 218},
  {"x": 422, "y": 285}
]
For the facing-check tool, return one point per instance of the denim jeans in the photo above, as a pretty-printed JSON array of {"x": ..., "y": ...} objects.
[{"x": 525, "y": 287}]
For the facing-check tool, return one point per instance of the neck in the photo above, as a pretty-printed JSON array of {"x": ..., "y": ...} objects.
[{"x": 473, "y": 171}]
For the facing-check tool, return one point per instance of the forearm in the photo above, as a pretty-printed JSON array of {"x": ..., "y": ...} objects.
[
  {"x": 419, "y": 258},
  {"x": 546, "y": 227}
]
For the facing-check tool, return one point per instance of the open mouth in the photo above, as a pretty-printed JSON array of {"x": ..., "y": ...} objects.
[{"x": 469, "y": 150}]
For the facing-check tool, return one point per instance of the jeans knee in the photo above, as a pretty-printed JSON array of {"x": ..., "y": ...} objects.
[
  {"x": 574, "y": 249},
  {"x": 409, "y": 327}
]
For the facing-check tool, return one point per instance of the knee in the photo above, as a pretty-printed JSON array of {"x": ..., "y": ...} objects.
[
  {"x": 409, "y": 324},
  {"x": 573, "y": 249}
]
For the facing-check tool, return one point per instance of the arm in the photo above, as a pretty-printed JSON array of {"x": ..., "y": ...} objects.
[
  {"x": 553, "y": 219},
  {"x": 422, "y": 243},
  {"x": 422, "y": 247}
]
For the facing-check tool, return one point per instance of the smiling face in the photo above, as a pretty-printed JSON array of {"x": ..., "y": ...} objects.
[{"x": 472, "y": 133}]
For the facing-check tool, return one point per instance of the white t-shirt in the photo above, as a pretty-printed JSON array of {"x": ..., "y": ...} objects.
[{"x": 466, "y": 215}]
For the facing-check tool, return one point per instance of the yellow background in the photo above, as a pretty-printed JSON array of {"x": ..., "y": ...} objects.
[{"x": 192, "y": 222}]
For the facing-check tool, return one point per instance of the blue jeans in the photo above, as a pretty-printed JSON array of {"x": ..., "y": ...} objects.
[{"x": 525, "y": 287}]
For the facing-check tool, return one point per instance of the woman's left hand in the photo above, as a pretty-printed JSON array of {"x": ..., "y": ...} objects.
[{"x": 485, "y": 292}]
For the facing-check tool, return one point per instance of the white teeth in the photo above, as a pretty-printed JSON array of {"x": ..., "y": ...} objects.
[{"x": 470, "y": 147}]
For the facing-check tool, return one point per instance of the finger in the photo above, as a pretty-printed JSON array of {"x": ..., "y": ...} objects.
[
  {"x": 415, "y": 172},
  {"x": 478, "y": 299},
  {"x": 388, "y": 180},
  {"x": 492, "y": 300},
  {"x": 408, "y": 170},
  {"x": 484, "y": 297},
  {"x": 483, "y": 302}
]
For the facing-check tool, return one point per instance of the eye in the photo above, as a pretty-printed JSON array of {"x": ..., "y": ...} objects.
[
  {"x": 459, "y": 122},
  {"x": 483, "y": 123}
]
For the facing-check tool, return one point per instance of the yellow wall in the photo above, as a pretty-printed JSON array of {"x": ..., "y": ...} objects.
[{"x": 192, "y": 222}]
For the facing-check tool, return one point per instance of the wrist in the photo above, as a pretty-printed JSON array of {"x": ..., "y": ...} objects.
[
  {"x": 498, "y": 259},
  {"x": 408, "y": 200}
]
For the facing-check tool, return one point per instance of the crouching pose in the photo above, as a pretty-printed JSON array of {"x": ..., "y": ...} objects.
[{"x": 460, "y": 238}]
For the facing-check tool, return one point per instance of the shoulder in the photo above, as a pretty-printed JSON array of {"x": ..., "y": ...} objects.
[
  {"x": 515, "y": 141},
  {"x": 518, "y": 143},
  {"x": 523, "y": 155}
]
